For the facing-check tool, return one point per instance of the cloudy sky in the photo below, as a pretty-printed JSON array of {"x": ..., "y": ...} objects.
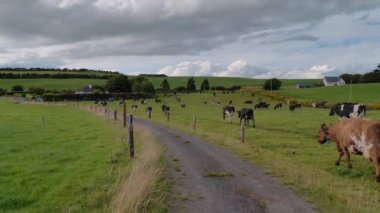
[{"x": 247, "y": 38}]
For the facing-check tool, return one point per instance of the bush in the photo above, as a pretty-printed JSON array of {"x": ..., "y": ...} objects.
[
  {"x": 17, "y": 88},
  {"x": 119, "y": 83},
  {"x": 3, "y": 91},
  {"x": 36, "y": 90},
  {"x": 272, "y": 84},
  {"x": 190, "y": 86}
]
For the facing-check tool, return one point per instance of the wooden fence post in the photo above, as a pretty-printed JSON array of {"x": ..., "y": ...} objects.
[
  {"x": 149, "y": 114},
  {"x": 131, "y": 139},
  {"x": 115, "y": 115},
  {"x": 125, "y": 115},
  {"x": 242, "y": 132},
  {"x": 194, "y": 121}
]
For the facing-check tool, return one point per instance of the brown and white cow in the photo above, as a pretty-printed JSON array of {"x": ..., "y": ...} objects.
[{"x": 356, "y": 135}]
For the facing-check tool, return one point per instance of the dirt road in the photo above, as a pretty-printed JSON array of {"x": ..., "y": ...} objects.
[{"x": 206, "y": 178}]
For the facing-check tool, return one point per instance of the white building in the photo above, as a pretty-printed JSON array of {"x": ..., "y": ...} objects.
[{"x": 333, "y": 81}]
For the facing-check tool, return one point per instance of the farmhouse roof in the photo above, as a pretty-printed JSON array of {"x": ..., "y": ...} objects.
[
  {"x": 332, "y": 79},
  {"x": 87, "y": 88}
]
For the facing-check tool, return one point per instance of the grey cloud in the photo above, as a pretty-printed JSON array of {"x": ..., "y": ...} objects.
[{"x": 209, "y": 25}]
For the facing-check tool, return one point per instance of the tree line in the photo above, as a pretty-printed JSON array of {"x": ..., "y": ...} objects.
[
  {"x": 369, "y": 77},
  {"x": 54, "y": 75},
  {"x": 15, "y": 69}
]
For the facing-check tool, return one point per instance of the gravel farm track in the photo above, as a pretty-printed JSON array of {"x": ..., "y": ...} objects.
[{"x": 206, "y": 178}]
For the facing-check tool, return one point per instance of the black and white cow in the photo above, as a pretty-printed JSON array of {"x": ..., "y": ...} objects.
[
  {"x": 165, "y": 108},
  {"x": 348, "y": 110},
  {"x": 229, "y": 112},
  {"x": 134, "y": 107},
  {"x": 294, "y": 106},
  {"x": 278, "y": 106},
  {"x": 248, "y": 102},
  {"x": 246, "y": 114}
]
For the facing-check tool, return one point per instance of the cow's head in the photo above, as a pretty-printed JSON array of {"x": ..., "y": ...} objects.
[
  {"x": 323, "y": 134},
  {"x": 332, "y": 110}
]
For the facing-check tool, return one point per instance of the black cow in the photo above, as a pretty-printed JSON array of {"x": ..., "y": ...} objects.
[
  {"x": 248, "y": 102},
  {"x": 262, "y": 105},
  {"x": 229, "y": 111},
  {"x": 157, "y": 100},
  {"x": 294, "y": 106},
  {"x": 348, "y": 110},
  {"x": 247, "y": 114},
  {"x": 183, "y": 106},
  {"x": 230, "y": 102},
  {"x": 278, "y": 106}
]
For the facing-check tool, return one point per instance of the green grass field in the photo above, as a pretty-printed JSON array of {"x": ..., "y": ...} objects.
[
  {"x": 286, "y": 143},
  {"x": 364, "y": 93},
  {"x": 56, "y": 72},
  {"x": 70, "y": 163},
  {"x": 50, "y": 84},
  {"x": 227, "y": 82}
]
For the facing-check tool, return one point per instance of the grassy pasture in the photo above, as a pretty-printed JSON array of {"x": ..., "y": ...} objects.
[
  {"x": 286, "y": 143},
  {"x": 364, "y": 93},
  {"x": 72, "y": 162},
  {"x": 50, "y": 84}
]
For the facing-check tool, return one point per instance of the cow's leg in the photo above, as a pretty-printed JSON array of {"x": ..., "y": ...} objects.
[
  {"x": 349, "y": 165},
  {"x": 341, "y": 153}
]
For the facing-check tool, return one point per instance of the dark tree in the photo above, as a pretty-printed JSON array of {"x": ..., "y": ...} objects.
[
  {"x": 371, "y": 77},
  {"x": 165, "y": 85},
  {"x": 272, "y": 84},
  {"x": 17, "y": 88},
  {"x": 118, "y": 83},
  {"x": 36, "y": 90},
  {"x": 141, "y": 84},
  {"x": 205, "y": 85},
  {"x": 348, "y": 78},
  {"x": 2, "y": 91},
  {"x": 190, "y": 86}
]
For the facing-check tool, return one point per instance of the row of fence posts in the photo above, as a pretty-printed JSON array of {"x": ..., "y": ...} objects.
[
  {"x": 130, "y": 126},
  {"x": 126, "y": 124}
]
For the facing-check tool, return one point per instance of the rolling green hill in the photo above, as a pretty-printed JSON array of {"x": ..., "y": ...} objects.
[{"x": 366, "y": 93}]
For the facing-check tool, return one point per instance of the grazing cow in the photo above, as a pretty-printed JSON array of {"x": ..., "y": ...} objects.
[
  {"x": 178, "y": 99},
  {"x": 348, "y": 110},
  {"x": 262, "y": 105},
  {"x": 248, "y": 102},
  {"x": 229, "y": 112},
  {"x": 157, "y": 100},
  {"x": 319, "y": 104},
  {"x": 217, "y": 103},
  {"x": 230, "y": 102},
  {"x": 134, "y": 107},
  {"x": 294, "y": 106},
  {"x": 103, "y": 103},
  {"x": 165, "y": 108},
  {"x": 246, "y": 114},
  {"x": 278, "y": 106},
  {"x": 183, "y": 106},
  {"x": 359, "y": 136},
  {"x": 144, "y": 101}
]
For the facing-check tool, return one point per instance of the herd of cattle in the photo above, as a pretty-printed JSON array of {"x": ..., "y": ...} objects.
[{"x": 352, "y": 134}]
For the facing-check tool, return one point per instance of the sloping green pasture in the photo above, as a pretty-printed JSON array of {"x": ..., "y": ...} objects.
[
  {"x": 71, "y": 162},
  {"x": 50, "y": 84},
  {"x": 286, "y": 143},
  {"x": 363, "y": 93}
]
